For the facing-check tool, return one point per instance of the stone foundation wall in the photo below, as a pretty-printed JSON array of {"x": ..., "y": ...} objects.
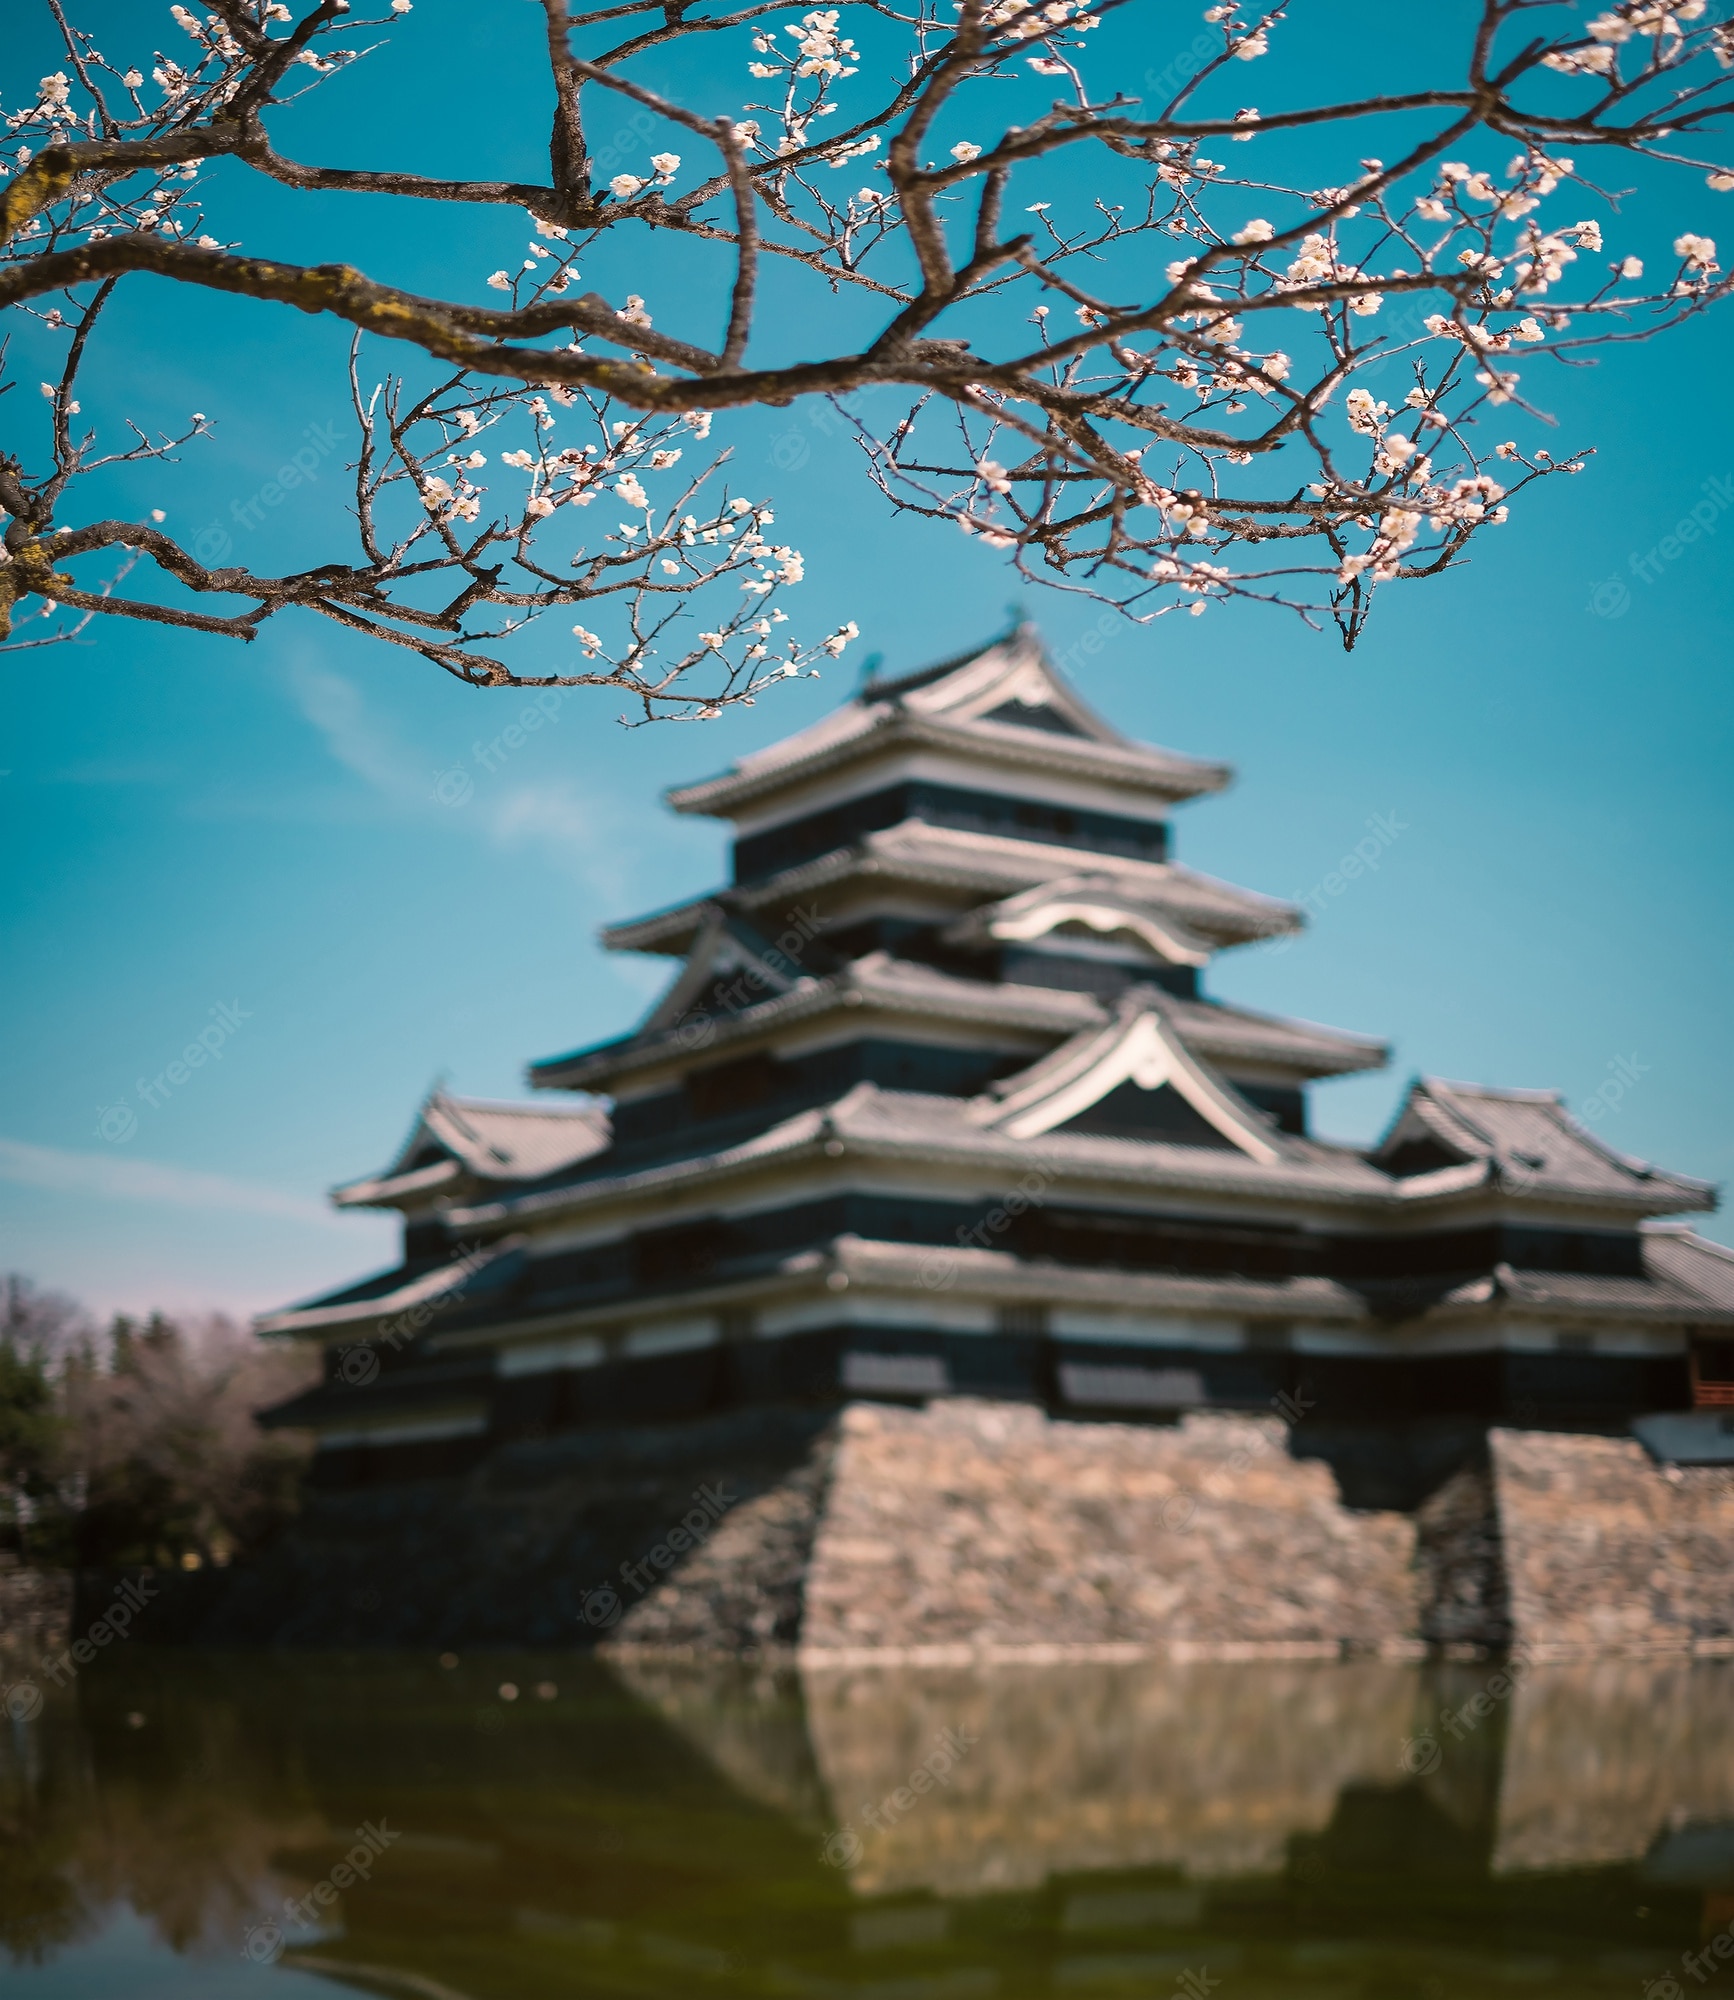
[
  {"x": 981, "y": 1530},
  {"x": 1464, "y": 1594},
  {"x": 982, "y": 1527},
  {"x": 742, "y": 1590},
  {"x": 1606, "y": 1552},
  {"x": 976, "y": 1530}
]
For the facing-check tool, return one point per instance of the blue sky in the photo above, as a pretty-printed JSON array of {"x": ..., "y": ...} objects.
[{"x": 195, "y": 827}]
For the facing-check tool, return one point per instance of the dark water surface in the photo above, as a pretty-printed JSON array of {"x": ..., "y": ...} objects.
[{"x": 1193, "y": 1832}]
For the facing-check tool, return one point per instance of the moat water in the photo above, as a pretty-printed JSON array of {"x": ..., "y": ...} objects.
[{"x": 186, "y": 1827}]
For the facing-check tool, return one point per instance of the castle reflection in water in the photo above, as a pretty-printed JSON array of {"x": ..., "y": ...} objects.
[{"x": 562, "y": 1827}]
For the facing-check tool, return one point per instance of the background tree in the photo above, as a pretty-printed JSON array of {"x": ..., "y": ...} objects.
[
  {"x": 36, "y": 1329},
  {"x": 148, "y": 1452},
  {"x": 1145, "y": 390},
  {"x": 161, "y": 1451}
]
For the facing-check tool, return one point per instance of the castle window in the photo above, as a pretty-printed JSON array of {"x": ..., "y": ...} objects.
[{"x": 728, "y": 1087}]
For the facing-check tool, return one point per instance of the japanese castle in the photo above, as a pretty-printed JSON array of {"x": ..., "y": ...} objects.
[{"x": 936, "y": 1103}]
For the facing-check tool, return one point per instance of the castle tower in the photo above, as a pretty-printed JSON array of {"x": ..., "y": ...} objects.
[{"x": 937, "y": 1102}]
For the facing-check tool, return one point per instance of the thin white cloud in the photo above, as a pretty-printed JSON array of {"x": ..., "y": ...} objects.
[
  {"x": 118, "y": 1177},
  {"x": 358, "y": 740},
  {"x": 465, "y": 792}
]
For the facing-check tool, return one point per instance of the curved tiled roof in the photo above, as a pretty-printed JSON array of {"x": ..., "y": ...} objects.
[
  {"x": 1212, "y": 1028},
  {"x": 960, "y": 708},
  {"x": 1529, "y": 1142},
  {"x": 483, "y": 1139},
  {"x": 985, "y": 867},
  {"x": 1703, "y": 1269}
]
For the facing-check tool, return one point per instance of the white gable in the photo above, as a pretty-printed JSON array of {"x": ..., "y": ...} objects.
[{"x": 1139, "y": 1048}]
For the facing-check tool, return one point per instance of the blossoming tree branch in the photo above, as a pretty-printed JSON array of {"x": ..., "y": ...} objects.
[{"x": 1051, "y": 316}]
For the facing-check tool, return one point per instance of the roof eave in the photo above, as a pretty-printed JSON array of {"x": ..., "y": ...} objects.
[
  {"x": 812, "y": 1135},
  {"x": 1060, "y": 1012},
  {"x": 393, "y": 1190},
  {"x": 1173, "y": 779}
]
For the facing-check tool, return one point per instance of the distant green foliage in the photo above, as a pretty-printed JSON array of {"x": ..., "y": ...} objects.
[{"x": 147, "y": 1454}]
